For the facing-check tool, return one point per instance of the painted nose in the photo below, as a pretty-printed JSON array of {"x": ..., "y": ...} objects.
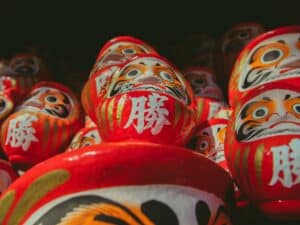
[{"x": 149, "y": 79}]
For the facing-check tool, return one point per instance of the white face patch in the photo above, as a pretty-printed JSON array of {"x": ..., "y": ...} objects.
[
  {"x": 276, "y": 58},
  {"x": 272, "y": 113},
  {"x": 149, "y": 204},
  {"x": 152, "y": 74}
]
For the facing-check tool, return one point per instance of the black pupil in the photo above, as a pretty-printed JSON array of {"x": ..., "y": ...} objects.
[
  {"x": 203, "y": 145},
  {"x": 51, "y": 98},
  {"x": 199, "y": 81},
  {"x": 243, "y": 34},
  {"x": 167, "y": 76},
  {"x": 271, "y": 55},
  {"x": 129, "y": 51},
  {"x": 297, "y": 108},
  {"x": 2, "y": 103},
  {"x": 133, "y": 73},
  {"x": 260, "y": 113}
]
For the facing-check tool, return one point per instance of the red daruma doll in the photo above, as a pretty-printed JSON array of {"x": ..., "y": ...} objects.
[
  {"x": 121, "y": 183},
  {"x": 262, "y": 149},
  {"x": 148, "y": 99},
  {"x": 42, "y": 125}
]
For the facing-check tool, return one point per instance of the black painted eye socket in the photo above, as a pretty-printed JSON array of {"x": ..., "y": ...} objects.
[
  {"x": 166, "y": 76},
  {"x": 271, "y": 55},
  {"x": 296, "y": 108},
  {"x": 133, "y": 73},
  {"x": 259, "y": 113},
  {"x": 2, "y": 103},
  {"x": 51, "y": 98},
  {"x": 128, "y": 51},
  {"x": 203, "y": 145}
]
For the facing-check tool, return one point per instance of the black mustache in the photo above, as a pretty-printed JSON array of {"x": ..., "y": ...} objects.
[
  {"x": 261, "y": 75},
  {"x": 59, "y": 111},
  {"x": 241, "y": 135}
]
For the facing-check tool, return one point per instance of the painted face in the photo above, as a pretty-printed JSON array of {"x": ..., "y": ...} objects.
[
  {"x": 145, "y": 204},
  {"x": 203, "y": 84},
  {"x": 237, "y": 37},
  {"x": 210, "y": 142},
  {"x": 273, "y": 59},
  {"x": 24, "y": 65},
  {"x": 85, "y": 137},
  {"x": 272, "y": 113},
  {"x": 50, "y": 101},
  {"x": 119, "y": 53},
  {"x": 152, "y": 74}
]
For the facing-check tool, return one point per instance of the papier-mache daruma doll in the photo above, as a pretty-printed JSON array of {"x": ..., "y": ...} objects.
[
  {"x": 113, "y": 54},
  {"x": 28, "y": 69},
  {"x": 42, "y": 125},
  {"x": 121, "y": 183}
]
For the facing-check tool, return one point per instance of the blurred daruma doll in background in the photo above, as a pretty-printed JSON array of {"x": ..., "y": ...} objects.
[
  {"x": 28, "y": 69},
  {"x": 203, "y": 82},
  {"x": 231, "y": 44},
  {"x": 42, "y": 125},
  {"x": 148, "y": 99}
]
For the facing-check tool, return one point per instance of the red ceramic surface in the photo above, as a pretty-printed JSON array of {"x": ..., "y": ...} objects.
[
  {"x": 133, "y": 183},
  {"x": 261, "y": 148},
  {"x": 147, "y": 99},
  {"x": 273, "y": 56},
  {"x": 42, "y": 125}
]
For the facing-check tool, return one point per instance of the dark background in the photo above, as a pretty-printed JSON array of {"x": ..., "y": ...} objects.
[{"x": 69, "y": 34}]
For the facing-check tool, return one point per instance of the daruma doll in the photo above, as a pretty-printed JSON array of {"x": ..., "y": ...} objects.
[
  {"x": 262, "y": 149},
  {"x": 148, "y": 99},
  {"x": 42, "y": 125},
  {"x": 121, "y": 183}
]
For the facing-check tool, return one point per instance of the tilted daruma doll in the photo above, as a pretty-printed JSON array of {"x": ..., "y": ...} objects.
[
  {"x": 148, "y": 99},
  {"x": 231, "y": 44},
  {"x": 273, "y": 56},
  {"x": 121, "y": 183},
  {"x": 203, "y": 82},
  {"x": 42, "y": 125},
  {"x": 262, "y": 149},
  {"x": 113, "y": 54}
]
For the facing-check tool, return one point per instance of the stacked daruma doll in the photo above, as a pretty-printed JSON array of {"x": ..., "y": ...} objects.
[
  {"x": 263, "y": 136},
  {"x": 140, "y": 173}
]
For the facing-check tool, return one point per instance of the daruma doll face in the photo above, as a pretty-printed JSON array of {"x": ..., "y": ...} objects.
[{"x": 261, "y": 148}]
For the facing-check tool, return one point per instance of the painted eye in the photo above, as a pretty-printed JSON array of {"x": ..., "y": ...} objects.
[
  {"x": 166, "y": 76},
  {"x": 271, "y": 55},
  {"x": 296, "y": 108},
  {"x": 51, "y": 98},
  {"x": 133, "y": 73},
  {"x": 128, "y": 51},
  {"x": 259, "y": 113},
  {"x": 203, "y": 145}
]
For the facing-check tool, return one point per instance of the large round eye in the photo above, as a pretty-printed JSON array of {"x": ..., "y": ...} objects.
[
  {"x": 51, "y": 98},
  {"x": 128, "y": 51},
  {"x": 271, "y": 55},
  {"x": 260, "y": 112},
  {"x": 203, "y": 145},
  {"x": 296, "y": 108},
  {"x": 166, "y": 76},
  {"x": 133, "y": 73}
]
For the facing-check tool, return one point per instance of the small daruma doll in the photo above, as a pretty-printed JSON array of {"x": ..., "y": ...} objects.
[
  {"x": 148, "y": 99},
  {"x": 210, "y": 140},
  {"x": 42, "y": 125},
  {"x": 262, "y": 149},
  {"x": 28, "y": 69},
  {"x": 117, "y": 183},
  {"x": 273, "y": 56},
  {"x": 203, "y": 82}
]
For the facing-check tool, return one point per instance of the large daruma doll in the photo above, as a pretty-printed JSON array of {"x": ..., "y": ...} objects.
[
  {"x": 262, "y": 149},
  {"x": 148, "y": 99},
  {"x": 117, "y": 183},
  {"x": 273, "y": 56}
]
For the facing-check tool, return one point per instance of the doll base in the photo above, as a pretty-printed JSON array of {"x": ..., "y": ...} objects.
[{"x": 287, "y": 210}]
